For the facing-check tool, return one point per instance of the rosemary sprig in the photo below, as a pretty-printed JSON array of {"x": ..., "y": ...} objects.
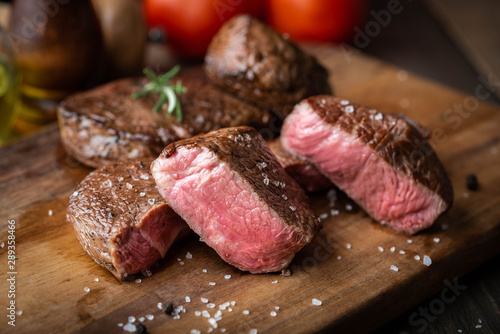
[{"x": 168, "y": 93}]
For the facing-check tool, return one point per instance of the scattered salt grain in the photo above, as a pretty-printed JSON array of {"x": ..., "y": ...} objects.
[
  {"x": 138, "y": 281},
  {"x": 144, "y": 177},
  {"x": 334, "y": 212},
  {"x": 128, "y": 185},
  {"x": 197, "y": 313},
  {"x": 381, "y": 249},
  {"x": 323, "y": 216},
  {"x": 189, "y": 255},
  {"x": 479, "y": 321},
  {"x": 227, "y": 276},
  {"x": 195, "y": 331},
  {"x": 349, "y": 109},
  {"x": 205, "y": 314},
  {"x": 246, "y": 312},
  {"x": 211, "y": 305},
  {"x": 107, "y": 183},
  {"x": 188, "y": 299},
  {"x": 141, "y": 319},
  {"x": 460, "y": 331},
  {"x": 348, "y": 207},
  {"x": 218, "y": 315},
  {"x": 204, "y": 270},
  {"x": 402, "y": 252},
  {"x": 479, "y": 326},
  {"x": 181, "y": 263},
  {"x": 266, "y": 182},
  {"x": 210, "y": 330},
  {"x": 417, "y": 257},
  {"x": 409, "y": 241},
  {"x": 150, "y": 316},
  {"x": 344, "y": 102},
  {"x": 253, "y": 331},
  {"x": 130, "y": 328},
  {"x": 120, "y": 324},
  {"x": 233, "y": 303},
  {"x": 273, "y": 313},
  {"x": 147, "y": 273},
  {"x": 19, "y": 312},
  {"x": 211, "y": 283},
  {"x": 323, "y": 101},
  {"x": 177, "y": 317},
  {"x": 2, "y": 245},
  {"x": 229, "y": 309},
  {"x": 427, "y": 260},
  {"x": 131, "y": 319},
  {"x": 142, "y": 194},
  {"x": 277, "y": 308},
  {"x": 204, "y": 300},
  {"x": 292, "y": 208},
  {"x": 436, "y": 240},
  {"x": 160, "y": 305},
  {"x": 96, "y": 279},
  {"x": 212, "y": 322},
  {"x": 378, "y": 116},
  {"x": 51, "y": 212},
  {"x": 222, "y": 330},
  {"x": 316, "y": 302},
  {"x": 393, "y": 267},
  {"x": 348, "y": 246},
  {"x": 393, "y": 249},
  {"x": 284, "y": 197},
  {"x": 339, "y": 257},
  {"x": 86, "y": 289},
  {"x": 151, "y": 201}
]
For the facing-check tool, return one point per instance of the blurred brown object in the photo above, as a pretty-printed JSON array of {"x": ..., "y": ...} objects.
[
  {"x": 59, "y": 49},
  {"x": 124, "y": 34}
]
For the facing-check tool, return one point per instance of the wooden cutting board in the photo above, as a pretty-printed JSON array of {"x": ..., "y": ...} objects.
[{"x": 343, "y": 267}]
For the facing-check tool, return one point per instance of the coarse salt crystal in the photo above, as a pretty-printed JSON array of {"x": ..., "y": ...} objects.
[
  {"x": 51, "y": 212},
  {"x": 195, "y": 331},
  {"x": 409, "y": 241},
  {"x": 160, "y": 305},
  {"x": 211, "y": 305},
  {"x": 349, "y": 109},
  {"x": 273, "y": 313},
  {"x": 197, "y": 313},
  {"x": 218, "y": 315},
  {"x": 120, "y": 324},
  {"x": 141, "y": 319},
  {"x": 130, "y": 328},
  {"x": 181, "y": 263},
  {"x": 460, "y": 331},
  {"x": 436, "y": 240},
  {"x": 138, "y": 280},
  {"x": 349, "y": 246},
  {"x": 393, "y": 267},
  {"x": 128, "y": 185},
  {"x": 150, "y": 316},
  {"x": 142, "y": 194},
  {"x": 253, "y": 331},
  {"x": 205, "y": 314},
  {"x": 227, "y": 276},
  {"x": 2, "y": 245},
  {"x": 479, "y": 321},
  {"x": 334, "y": 212},
  {"x": 417, "y": 257},
  {"x": 222, "y": 330},
  {"x": 479, "y": 326},
  {"x": 427, "y": 260},
  {"x": 211, "y": 283},
  {"x": 144, "y": 177},
  {"x": 348, "y": 207},
  {"x": 96, "y": 279},
  {"x": 402, "y": 252},
  {"x": 381, "y": 249},
  {"x": 266, "y": 182},
  {"x": 393, "y": 249},
  {"x": 274, "y": 282},
  {"x": 204, "y": 300},
  {"x": 151, "y": 201},
  {"x": 292, "y": 208},
  {"x": 189, "y": 255},
  {"x": 316, "y": 302},
  {"x": 107, "y": 183},
  {"x": 177, "y": 316},
  {"x": 339, "y": 257},
  {"x": 246, "y": 312},
  {"x": 204, "y": 270},
  {"x": 131, "y": 319},
  {"x": 277, "y": 308},
  {"x": 344, "y": 102},
  {"x": 233, "y": 303},
  {"x": 188, "y": 299},
  {"x": 19, "y": 312},
  {"x": 323, "y": 101},
  {"x": 212, "y": 322},
  {"x": 210, "y": 330},
  {"x": 86, "y": 289},
  {"x": 378, "y": 116},
  {"x": 284, "y": 197}
]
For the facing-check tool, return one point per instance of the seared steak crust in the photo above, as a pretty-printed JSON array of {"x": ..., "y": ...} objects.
[
  {"x": 251, "y": 60},
  {"x": 105, "y": 124},
  {"x": 121, "y": 220},
  {"x": 400, "y": 142}
]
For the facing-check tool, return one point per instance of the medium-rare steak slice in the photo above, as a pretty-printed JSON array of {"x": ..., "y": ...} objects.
[
  {"x": 251, "y": 60},
  {"x": 381, "y": 161},
  {"x": 105, "y": 124},
  {"x": 121, "y": 220},
  {"x": 302, "y": 171},
  {"x": 231, "y": 190}
]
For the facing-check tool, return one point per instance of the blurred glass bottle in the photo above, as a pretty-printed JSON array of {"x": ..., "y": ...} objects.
[
  {"x": 9, "y": 84},
  {"x": 59, "y": 50}
]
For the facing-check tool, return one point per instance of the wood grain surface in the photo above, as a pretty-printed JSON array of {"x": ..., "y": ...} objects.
[{"x": 343, "y": 267}]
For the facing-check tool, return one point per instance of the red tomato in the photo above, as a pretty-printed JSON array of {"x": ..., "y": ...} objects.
[
  {"x": 316, "y": 20},
  {"x": 191, "y": 24}
]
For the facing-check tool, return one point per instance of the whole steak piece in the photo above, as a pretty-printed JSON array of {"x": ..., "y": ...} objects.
[
  {"x": 121, "y": 220},
  {"x": 302, "y": 171},
  {"x": 383, "y": 162},
  {"x": 232, "y": 191},
  {"x": 256, "y": 63},
  {"x": 105, "y": 124}
]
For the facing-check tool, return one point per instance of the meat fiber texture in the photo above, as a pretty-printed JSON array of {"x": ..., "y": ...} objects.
[
  {"x": 121, "y": 220},
  {"x": 106, "y": 124},
  {"x": 302, "y": 171},
  {"x": 376, "y": 159},
  {"x": 232, "y": 191},
  {"x": 251, "y": 60}
]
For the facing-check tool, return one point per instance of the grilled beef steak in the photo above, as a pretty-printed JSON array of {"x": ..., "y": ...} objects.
[
  {"x": 231, "y": 190},
  {"x": 121, "y": 220},
  {"x": 105, "y": 124},
  {"x": 381, "y": 161},
  {"x": 299, "y": 169},
  {"x": 251, "y": 60}
]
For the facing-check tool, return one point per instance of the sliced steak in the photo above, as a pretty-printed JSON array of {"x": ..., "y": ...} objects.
[
  {"x": 383, "y": 162},
  {"x": 302, "y": 171},
  {"x": 121, "y": 220},
  {"x": 251, "y": 60},
  {"x": 105, "y": 124},
  {"x": 231, "y": 190}
]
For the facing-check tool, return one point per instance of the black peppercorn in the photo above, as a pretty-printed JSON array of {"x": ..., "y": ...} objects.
[
  {"x": 472, "y": 183},
  {"x": 140, "y": 328},
  {"x": 168, "y": 308}
]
